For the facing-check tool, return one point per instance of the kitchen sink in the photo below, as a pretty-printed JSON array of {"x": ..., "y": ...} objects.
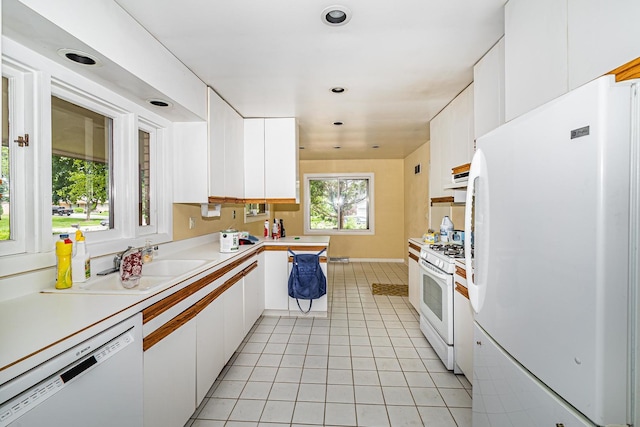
[
  {"x": 171, "y": 267},
  {"x": 111, "y": 285},
  {"x": 154, "y": 275}
]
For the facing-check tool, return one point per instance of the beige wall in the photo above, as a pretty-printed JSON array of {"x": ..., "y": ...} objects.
[
  {"x": 182, "y": 212},
  {"x": 389, "y": 241},
  {"x": 416, "y": 188}
]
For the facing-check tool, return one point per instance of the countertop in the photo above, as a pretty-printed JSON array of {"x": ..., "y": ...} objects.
[{"x": 38, "y": 326}]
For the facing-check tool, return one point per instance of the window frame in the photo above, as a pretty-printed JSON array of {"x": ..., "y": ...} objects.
[
  {"x": 49, "y": 78},
  {"x": 340, "y": 232}
]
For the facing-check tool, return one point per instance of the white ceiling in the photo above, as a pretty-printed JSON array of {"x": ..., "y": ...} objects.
[{"x": 401, "y": 63}]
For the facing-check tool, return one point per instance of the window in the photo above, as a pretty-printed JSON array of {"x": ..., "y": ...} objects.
[
  {"x": 144, "y": 178},
  {"x": 5, "y": 169},
  {"x": 339, "y": 203},
  {"x": 81, "y": 149},
  {"x": 88, "y": 148}
]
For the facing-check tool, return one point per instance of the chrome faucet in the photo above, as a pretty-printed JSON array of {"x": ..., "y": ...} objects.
[{"x": 116, "y": 263}]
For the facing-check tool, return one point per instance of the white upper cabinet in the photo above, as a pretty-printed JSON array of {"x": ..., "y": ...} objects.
[
  {"x": 452, "y": 142},
  {"x": 271, "y": 160},
  {"x": 190, "y": 162},
  {"x": 535, "y": 54},
  {"x": 603, "y": 35},
  {"x": 209, "y": 156},
  {"x": 281, "y": 160},
  {"x": 254, "y": 159},
  {"x": 488, "y": 90},
  {"x": 554, "y": 46},
  {"x": 226, "y": 129}
]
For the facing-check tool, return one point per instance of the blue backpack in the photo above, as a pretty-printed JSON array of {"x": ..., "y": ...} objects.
[{"x": 306, "y": 280}]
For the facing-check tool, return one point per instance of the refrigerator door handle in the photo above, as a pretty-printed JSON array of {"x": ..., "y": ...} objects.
[{"x": 474, "y": 269}]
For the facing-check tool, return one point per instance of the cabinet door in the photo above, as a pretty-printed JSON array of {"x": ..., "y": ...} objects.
[
  {"x": 233, "y": 319},
  {"x": 276, "y": 280},
  {"x": 414, "y": 282},
  {"x": 234, "y": 153},
  {"x": 254, "y": 158},
  {"x": 436, "y": 154},
  {"x": 535, "y": 54},
  {"x": 463, "y": 334},
  {"x": 281, "y": 159},
  {"x": 603, "y": 34},
  {"x": 488, "y": 90},
  {"x": 252, "y": 298},
  {"x": 170, "y": 378},
  {"x": 216, "y": 154},
  {"x": 209, "y": 346},
  {"x": 461, "y": 125},
  {"x": 190, "y": 161}
]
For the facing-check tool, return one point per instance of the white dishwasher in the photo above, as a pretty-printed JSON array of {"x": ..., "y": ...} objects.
[{"x": 96, "y": 383}]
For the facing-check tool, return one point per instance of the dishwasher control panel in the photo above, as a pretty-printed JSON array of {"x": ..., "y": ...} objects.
[{"x": 25, "y": 401}]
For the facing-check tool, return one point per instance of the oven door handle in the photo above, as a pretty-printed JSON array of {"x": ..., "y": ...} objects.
[{"x": 434, "y": 272}]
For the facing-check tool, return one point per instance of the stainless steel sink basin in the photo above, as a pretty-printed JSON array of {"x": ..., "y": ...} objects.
[{"x": 171, "y": 267}]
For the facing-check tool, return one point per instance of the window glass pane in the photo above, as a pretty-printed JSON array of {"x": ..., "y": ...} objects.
[
  {"x": 339, "y": 204},
  {"x": 81, "y": 168},
  {"x": 5, "y": 220},
  {"x": 324, "y": 204},
  {"x": 144, "y": 178},
  {"x": 354, "y": 208}
]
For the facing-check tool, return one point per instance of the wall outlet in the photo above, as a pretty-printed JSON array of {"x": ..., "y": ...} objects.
[
  {"x": 192, "y": 223},
  {"x": 234, "y": 214}
]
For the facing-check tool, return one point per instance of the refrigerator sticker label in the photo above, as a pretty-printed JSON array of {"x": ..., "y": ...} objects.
[{"x": 577, "y": 133}]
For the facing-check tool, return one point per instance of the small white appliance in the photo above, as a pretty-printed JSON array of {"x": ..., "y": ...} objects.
[
  {"x": 556, "y": 328},
  {"x": 229, "y": 241},
  {"x": 437, "y": 265}
]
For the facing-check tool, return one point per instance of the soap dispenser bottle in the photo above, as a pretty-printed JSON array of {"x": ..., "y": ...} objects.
[
  {"x": 147, "y": 252},
  {"x": 81, "y": 261}
]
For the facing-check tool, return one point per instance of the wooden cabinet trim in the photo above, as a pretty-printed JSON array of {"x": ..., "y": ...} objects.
[
  {"x": 293, "y": 248},
  {"x": 447, "y": 199},
  {"x": 414, "y": 246},
  {"x": 165, "y": 330},
  {"x": 462, "y": 290},
  {"x": 414, "y": 257},
  {"x": 281, "y": 201},
  {"x": 461, "y": 272},
  {"x": 628, "y": 71}
]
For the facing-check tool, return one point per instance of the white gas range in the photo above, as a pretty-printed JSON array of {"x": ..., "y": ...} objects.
[{"x": 437, "y": 265}]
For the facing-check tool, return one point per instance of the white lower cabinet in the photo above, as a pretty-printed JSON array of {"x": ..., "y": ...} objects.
[
  {"x": 414, "y": 275},
  {"x": 462, "y": 323},
  {"x": 233, "y": 319},
  {"x": 276, "y": 277},
  {"x": 184, "y": 356},
  {"x": 253, "y": 294},
  {"x": 209, "y": 346},
  {"x": 170, "y": 378}
]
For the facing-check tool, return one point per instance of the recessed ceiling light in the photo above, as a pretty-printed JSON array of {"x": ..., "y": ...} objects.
[
  {"x": 159, "y": 102},
  {"x": 338, "y": 123},
  {"x": 336, "y": 15},
  {"x": 337, "y": 89},
  {"x": 79, "y": 57}
]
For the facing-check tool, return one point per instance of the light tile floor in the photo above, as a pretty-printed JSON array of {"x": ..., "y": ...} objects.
[{"x": 366, "y": 364}]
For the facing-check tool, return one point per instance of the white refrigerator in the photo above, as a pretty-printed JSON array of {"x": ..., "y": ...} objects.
[{"x": 553, "y": 202}]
